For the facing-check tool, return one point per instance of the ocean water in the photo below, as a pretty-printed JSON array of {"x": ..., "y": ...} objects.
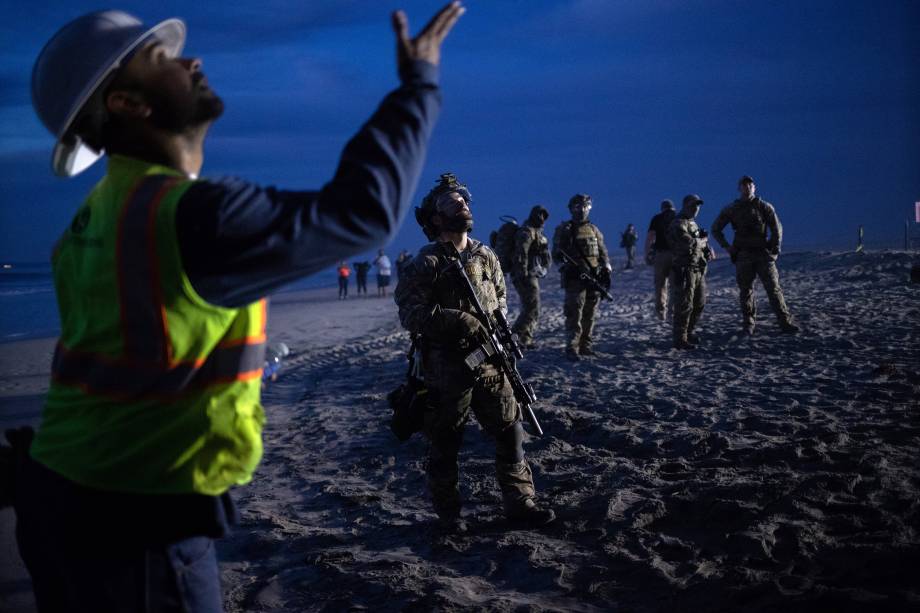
[{"x": 28, "y": 308}]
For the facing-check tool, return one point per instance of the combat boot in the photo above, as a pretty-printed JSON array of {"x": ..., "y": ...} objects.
[
  {"x": 518, "y": 495},
  {"x": 586, "y": 350},
  {"x": 572, "y": 354},
  {"x": 681, "y": 343},
  {"x": 525, "y": 342},
  {"x": 693, "y": 339},
  {"x": 443, "y": 483},
  {"x": 748, "y": 329},
  {"x": 788, "y": 327},
  {"x": 452, "y": 525}
]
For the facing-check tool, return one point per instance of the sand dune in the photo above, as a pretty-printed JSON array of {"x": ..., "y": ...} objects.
[{"x": 779, "y": 472}]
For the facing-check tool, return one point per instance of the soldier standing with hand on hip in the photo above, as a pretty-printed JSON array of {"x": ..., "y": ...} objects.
[
  {"x": 690, "y": 254},
  {"x": 754, "y": 250}
]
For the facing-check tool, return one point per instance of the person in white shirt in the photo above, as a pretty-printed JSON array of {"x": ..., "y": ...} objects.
[{"x": 382, "y": 262}]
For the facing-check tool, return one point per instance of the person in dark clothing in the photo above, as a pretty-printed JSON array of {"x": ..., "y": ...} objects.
[
  {"x": 344, "y": 272},
  {"x": 126, "y": 483},
  {"x": 361, "y": 269},
  {"x": 658, "y": 254},
  {"x": 402, "y": 259},
  {"x": 628, "y": 241}
]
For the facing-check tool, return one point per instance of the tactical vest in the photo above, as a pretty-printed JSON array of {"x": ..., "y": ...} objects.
[
  {"x": 749, "y": 222},
  {"x": 479, "y": 262},
  {"x": 537, "y": 252},
  {"x": 697, "y": 255},
  {"x": 581, "y": 240},
  {"x": 153, "y": 389}
]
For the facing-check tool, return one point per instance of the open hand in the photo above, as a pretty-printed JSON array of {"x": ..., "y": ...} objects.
[{"x": 427, "y": 45}]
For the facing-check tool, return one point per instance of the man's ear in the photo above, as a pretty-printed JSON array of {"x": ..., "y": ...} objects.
[
  {"x": 127, "y": 104},
  {"x": 436, "y": 220}
]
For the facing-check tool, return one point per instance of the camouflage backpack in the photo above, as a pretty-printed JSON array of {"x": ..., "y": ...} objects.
[{"x": 502, "y": 241}]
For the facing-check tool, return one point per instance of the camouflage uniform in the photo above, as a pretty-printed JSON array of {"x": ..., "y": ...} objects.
[
  {"x": 530, "y": 249},
  {"x": 689, "y": 257},
  {"x": 584, "y": 242},
  {"x": 429, "y": 301},
  {"x": 751, "y": 220}
]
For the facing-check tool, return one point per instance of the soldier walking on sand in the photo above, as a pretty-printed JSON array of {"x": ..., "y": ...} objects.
[
  {"x": 691, "y": 253},
  {"x": 583, "y": 242},
  {"x": 628, "y": 241},
  {"x": 434, "y": 308},
  {"x": 658, "y": 254},
  {"x": 754, "y": 250},
  {"x": 531, "y": 259}
]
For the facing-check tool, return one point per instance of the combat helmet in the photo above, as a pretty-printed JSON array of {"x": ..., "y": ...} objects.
[
  {"x": 446, "y": 184},
  {"x": 580, "y": 198}
]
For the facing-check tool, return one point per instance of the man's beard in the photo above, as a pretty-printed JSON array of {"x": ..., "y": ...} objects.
[
  {"x": 459, "y": 223},
  {"x": 175, "y": 114},
  {"x": 580, "y": 216}
]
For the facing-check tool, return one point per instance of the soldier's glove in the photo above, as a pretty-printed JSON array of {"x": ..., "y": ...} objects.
[{"x": 453, "y": 326}]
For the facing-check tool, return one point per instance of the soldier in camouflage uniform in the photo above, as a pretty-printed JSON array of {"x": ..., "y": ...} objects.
[
  {"x": 584, "y": 243},
  {"x": 434, "y": 308},
  {"x": 690, "y": 253},
  {"x": 531, "y": 259},
  {"x": 754, "y": 249}
]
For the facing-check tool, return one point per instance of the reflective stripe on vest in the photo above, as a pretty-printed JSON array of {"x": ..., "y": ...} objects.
[{"x": 146, "y": 367}]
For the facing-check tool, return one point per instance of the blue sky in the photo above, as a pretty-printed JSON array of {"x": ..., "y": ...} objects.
[{"x": 629, "y": 101}]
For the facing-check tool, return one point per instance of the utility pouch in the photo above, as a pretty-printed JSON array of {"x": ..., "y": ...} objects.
[
  {"x": 409, "y": 400},
  {"x": 478, "y": 356}
]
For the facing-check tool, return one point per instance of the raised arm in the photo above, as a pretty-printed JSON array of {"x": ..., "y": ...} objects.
[{"x": 240, "y": 241}]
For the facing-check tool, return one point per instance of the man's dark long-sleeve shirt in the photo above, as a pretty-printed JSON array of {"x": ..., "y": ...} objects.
[{"x": 240, "y": 242}]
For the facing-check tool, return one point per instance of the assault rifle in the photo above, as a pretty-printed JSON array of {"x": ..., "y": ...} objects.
[
  {"x": 585, "y": 274},
  {"x": 502, "y": 347}
]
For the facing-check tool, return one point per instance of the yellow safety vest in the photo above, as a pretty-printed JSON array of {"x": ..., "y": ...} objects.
[{"x": 153, "y": 389}]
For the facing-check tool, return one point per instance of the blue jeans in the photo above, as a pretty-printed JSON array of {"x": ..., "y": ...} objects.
[{"x": 81, "y": 562}]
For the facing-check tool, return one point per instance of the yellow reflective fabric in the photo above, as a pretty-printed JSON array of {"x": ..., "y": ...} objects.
[{"x": 154, "y": 390}]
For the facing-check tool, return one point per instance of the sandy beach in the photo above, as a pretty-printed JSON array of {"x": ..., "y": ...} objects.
[{"x": 764, "y": 474}]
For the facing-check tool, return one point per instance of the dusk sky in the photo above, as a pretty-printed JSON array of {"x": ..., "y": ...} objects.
[{"x": 629, "y": 101}]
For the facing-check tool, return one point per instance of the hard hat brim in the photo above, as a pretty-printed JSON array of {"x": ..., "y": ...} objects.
[{"x": 71, "y": 155}]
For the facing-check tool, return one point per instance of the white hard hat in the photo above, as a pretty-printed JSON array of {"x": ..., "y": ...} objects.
[{"x": 76, "y": 62}]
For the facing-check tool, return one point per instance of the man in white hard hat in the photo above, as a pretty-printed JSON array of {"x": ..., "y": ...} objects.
[{"x": 153, "y": 412}]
